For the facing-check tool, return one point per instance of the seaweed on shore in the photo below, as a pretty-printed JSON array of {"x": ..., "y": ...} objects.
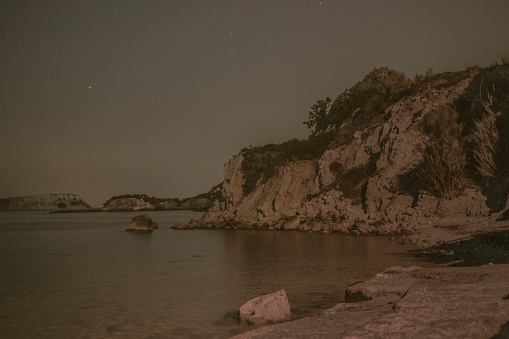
[{"x": 491, "y": 248}]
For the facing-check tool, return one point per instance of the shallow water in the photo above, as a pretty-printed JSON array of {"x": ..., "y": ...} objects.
[{"x": 82, "y": 275}]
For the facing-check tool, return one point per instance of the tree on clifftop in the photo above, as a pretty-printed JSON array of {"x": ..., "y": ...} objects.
[
  {"x": 378, "y": 90},
  {"x": 317, "y": 120}
]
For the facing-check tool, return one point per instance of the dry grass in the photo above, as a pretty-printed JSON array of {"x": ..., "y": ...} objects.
[
  {"x": 485, "y": 139},
  {"x": 443, "y": 166}
]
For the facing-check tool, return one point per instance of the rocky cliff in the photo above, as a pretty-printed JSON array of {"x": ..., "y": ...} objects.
[
  {"x": 370, "y": 180},
  {"x": 44, "y": 202}
]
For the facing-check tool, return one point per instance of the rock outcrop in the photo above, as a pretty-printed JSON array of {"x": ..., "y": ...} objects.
[
  {"x": 269, "y": 308},
  {"x": 368, "y": 184},
  {"x": 142, "y": 223},
  {"x": 45, "y": 202}
]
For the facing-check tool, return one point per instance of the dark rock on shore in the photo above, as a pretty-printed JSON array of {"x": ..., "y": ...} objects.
[
  {"x": 479, "y": 250},
  {"x": 142, "y": 223}
]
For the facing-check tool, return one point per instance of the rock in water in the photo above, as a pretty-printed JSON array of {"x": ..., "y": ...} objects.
[
  {"x": 141, "y": 223},
  {"x": 269, "y": 308}
]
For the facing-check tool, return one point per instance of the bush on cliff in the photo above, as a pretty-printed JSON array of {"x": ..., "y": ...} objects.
[
  {"x": 381, "y": 88},
  {"x": 483, "y": 106},
  {"x": 443, "y": 166},
  {"x": 485, "y": 138}
]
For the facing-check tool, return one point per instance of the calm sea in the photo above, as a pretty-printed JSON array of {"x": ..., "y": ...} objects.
[{"x": 83, "y": 276}]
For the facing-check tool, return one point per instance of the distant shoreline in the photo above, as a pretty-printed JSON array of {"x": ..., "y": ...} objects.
[{"x": 96, "y": 210}]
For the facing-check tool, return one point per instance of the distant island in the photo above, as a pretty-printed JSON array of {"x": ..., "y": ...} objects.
[
  {"x": 45, "y": 202},
  {"x": 72, "y": 203},
  {"x": 143, "y": 202}
]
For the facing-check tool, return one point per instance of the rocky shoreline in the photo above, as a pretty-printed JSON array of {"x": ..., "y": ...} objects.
[
  {"x": 429, "y": 164},
  {"x": 471, "y": 301}
]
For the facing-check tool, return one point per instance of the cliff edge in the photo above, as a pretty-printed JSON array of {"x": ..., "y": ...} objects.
[{"x": 398, "y": 165}]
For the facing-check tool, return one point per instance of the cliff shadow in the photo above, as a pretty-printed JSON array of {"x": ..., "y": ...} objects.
[
  {"x": 479, "y": 250},
  {"x": 497, "y": 194},
  {"x": 410, "y": 183}
]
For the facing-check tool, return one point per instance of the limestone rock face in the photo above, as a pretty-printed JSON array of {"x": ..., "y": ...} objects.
[
  {"x": 282, "y": 195},
  {"x": 45, "y": 202},
  {"x": 269, "y": 308},
  {"x": 142, "y": 223},
  {"x": 233, "y": 180}
]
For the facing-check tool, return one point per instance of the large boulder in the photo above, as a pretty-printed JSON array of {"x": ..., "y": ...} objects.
[
  {"x": 269, "y": 308},
  {"x": 141, "y": 223}
]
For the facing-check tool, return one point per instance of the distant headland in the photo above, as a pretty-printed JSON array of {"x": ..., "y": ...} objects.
[
  {"x": 45, "y": 202},
  {"x": 72, "y": 203}
]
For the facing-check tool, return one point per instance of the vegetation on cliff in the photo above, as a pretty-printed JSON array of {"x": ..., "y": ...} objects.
[
  {"x": 468, "y": 141},
  {"x": 376, "y": 92},
  {"x": 484, "y": 113}
]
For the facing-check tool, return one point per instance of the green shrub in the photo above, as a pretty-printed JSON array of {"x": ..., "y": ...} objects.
[{"x": 377, "y": 91}]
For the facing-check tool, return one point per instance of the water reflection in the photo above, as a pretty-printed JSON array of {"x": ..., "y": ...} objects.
[
  {"x": 314, "y": 269},
  {"x": 85, "y": 275}
]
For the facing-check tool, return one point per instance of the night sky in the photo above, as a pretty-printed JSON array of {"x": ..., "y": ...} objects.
[{"x": 101, "y": 98}]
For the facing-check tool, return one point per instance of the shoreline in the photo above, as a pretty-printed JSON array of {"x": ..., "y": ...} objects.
[
  {"x": 100, "y": 210},
  {"x": 465, "y": 295}
]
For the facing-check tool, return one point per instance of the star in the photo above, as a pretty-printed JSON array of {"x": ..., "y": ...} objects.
[{"x": 89, "y": 87}]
